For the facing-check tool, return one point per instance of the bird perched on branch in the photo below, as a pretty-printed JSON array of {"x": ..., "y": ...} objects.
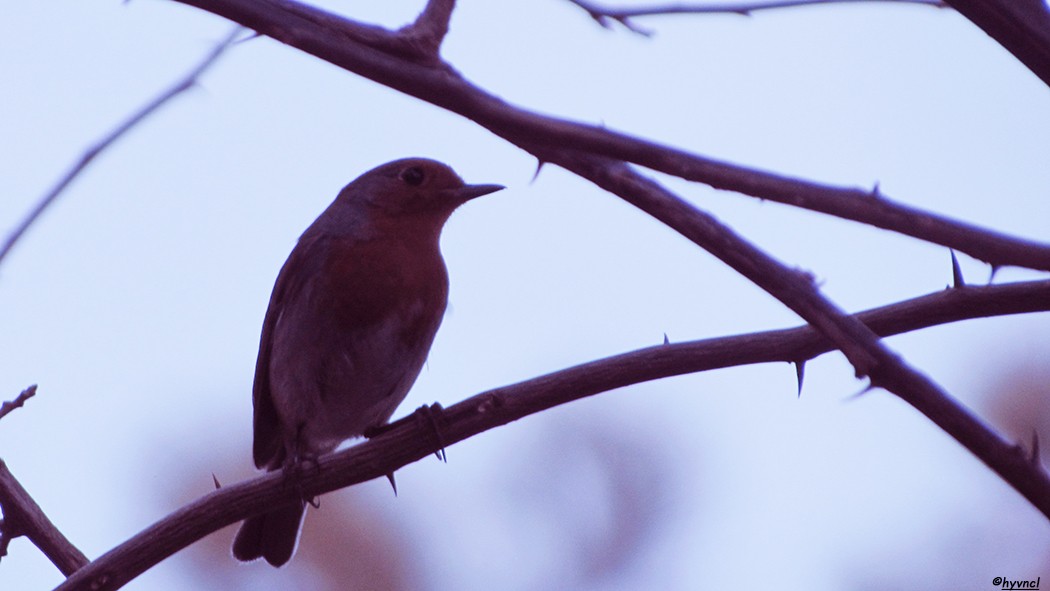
[{"x": 350, "y": 323}]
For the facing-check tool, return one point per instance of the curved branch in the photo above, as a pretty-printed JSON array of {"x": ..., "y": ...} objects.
[
  {"x": 409, "y": 441},
  {"x": 341, "y": 42}
]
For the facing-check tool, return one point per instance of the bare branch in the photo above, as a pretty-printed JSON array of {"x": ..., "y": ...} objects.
[
  {"x": 7, "y": 407},
  {"x": 23, "y": 517},
  {"x": 188, "y": 82},
  {"x": 410, "y": 441},
  {"x": 862, "y": 348},
  {"x": 1021, "y": 26},
  {"x": 333, "y": 39}
]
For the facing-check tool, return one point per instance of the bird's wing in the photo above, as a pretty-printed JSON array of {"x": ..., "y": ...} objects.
[{"x": 268, "y": 448}]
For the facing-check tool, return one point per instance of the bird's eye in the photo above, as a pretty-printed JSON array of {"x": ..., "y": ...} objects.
[{"x": 413, "y": 176}]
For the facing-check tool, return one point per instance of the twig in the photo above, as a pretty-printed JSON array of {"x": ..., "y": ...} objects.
[
  {"x": 23, "y": 517},
  {"x": 602, "y": 15},
  {"x": 26, "y": 394},
  {"x": 411, "y": 441},
  {"x": 189, "y": 81}
]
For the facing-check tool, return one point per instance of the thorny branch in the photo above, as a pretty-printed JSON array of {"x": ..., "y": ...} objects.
[
  {"x": 411, "y": 441},
  {"x": 869, "y": 356}
]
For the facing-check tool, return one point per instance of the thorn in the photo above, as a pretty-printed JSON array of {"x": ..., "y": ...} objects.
[
  {"x": 1034, "y": 456},
  {"x": 957, "y": 276},
  {"x": 539, "y": 167},
  {"x": 630, "y": 26},
  {"x": 875, "y": 192},
  {"x": 991, "y": 276},
  {"x": 800, "y": 373},
  {"x": 666, "y": 340},
  {"x": 393, "y": 484},
  {"x": 215, "y": 479}
]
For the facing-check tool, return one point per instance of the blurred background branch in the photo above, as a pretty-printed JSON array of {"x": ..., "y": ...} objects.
[{"x": 187, "y": 82}]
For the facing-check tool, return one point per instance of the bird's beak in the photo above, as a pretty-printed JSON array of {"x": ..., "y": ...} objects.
[{"x": 471, "y": 191}]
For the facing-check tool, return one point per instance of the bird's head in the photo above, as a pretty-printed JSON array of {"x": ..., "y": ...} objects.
[{"x": 413, "y": 187}]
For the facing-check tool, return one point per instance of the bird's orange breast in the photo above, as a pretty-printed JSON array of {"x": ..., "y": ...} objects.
[{"x": 369, "y": 281}]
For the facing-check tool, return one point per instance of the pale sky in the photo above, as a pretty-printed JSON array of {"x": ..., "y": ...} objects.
[{"x": 136, "y": 301}]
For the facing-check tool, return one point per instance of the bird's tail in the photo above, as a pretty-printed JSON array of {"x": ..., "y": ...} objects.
[{"x": 273, "y": 536}]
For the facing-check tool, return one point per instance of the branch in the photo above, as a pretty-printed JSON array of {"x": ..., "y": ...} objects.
[
  {"x": 1020, "y": 26},
  {"x": 336, "y": 40},
  {"x": 188, "y": 82},
  {"x": 23, "y": 517},
  {"x": 7, "y": 407},
  {"x": 410, "y": 441},
  {"x": 602, "y": 15}
]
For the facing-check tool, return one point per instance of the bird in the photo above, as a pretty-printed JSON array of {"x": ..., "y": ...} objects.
[{"x": 349, "y": 325}]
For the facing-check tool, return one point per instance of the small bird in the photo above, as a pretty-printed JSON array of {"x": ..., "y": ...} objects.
[{"x": 351, "y": 320}]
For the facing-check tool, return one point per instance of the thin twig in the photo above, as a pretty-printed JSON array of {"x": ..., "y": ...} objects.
[
  {"x": 410, "y": 441},
  {"x": 9, "y": 406},
  {"x": 602, "y": 14},
  {"x": 186, "y": 83}
]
